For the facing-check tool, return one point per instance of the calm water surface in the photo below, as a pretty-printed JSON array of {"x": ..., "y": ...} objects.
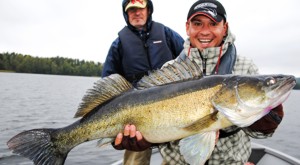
[{"x": 30, "y": 101}]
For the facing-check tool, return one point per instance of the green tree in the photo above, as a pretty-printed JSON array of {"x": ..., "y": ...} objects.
[{"x": 55, "y": 65}]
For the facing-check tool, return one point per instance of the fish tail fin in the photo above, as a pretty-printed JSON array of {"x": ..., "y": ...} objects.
[{"x": 38, "y": 145}]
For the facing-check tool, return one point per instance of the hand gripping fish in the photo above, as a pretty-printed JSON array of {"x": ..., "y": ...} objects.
[{"x": 172, "y": 103}]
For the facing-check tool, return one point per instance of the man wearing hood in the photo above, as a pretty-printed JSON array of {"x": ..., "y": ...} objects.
[{"x": 143, "y": 45}]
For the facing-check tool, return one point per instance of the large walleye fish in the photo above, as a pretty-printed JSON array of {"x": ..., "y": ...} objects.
[{"x": 172, "y": 103}]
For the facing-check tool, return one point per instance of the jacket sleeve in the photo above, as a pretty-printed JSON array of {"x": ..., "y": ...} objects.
[
  {"x": 113, "y": 61},
  {"x": 175, "y": 41},
  {"x": 266, "y": 126}
]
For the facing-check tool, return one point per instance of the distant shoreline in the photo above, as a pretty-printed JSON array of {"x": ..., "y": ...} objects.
[
  {"x": 297, "y": 83},
  {"x": 10, "y": 71},
  {"x": 19, "y": 63}
]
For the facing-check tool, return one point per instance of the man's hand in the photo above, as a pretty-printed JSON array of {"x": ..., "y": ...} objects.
[
  {"x": 131, "y": 140},
  {"x": 269, "y": 122}
]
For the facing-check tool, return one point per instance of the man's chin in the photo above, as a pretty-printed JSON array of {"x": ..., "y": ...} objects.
[{"x": 138, "y": 25}]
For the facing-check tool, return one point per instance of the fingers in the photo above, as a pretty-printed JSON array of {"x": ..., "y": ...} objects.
[
  {"x": 131, "y": 139},
  {"x": 127, "y": 130},
  {"x": 122, "y": 138},
  {"x": 138, "y": 135},
  {"x": 132, "y": 131},
  {"x": 142, "y": 143},
  {"x": 118, "y": 139}
]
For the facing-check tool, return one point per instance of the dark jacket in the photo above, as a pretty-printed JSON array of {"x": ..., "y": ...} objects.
[{"x": 134, "y": 52}]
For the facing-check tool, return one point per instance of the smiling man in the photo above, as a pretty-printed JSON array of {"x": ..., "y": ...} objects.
[
  {"x": 211, "y": 45},
  {"x": 206, "y": 25}
]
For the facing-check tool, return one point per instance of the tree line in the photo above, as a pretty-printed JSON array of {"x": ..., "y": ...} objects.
[
  {"x": 55, "y": 65},
  {"x": 297, "y": 83}
]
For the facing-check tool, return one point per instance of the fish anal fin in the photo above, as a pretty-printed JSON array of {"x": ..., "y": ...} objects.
[{"x": 105, "y": 141}]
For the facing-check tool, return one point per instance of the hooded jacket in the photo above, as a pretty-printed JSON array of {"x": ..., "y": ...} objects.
[
  {"x": 235, "y": 147},
  {"x": 135, "y": 52}
]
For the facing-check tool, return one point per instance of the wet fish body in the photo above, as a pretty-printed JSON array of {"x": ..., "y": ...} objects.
[{"x": 167, "y": 112}]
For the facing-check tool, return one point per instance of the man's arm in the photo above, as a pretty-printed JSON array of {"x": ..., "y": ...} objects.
[
  {"x": 175, "y": 41},
  {"x": 266, "y": 126},
  {"x": 113, "y": 60}
]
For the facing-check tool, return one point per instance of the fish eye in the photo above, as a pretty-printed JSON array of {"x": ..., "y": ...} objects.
[{"x": 271, "y": 81}]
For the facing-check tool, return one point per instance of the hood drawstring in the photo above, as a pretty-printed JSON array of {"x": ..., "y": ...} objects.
[
  {"x": 189, "y": 51},
  {"x": 219, "y": 59}
]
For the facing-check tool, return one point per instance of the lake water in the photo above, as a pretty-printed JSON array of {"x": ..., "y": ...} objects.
[{"x": 30, "y": 101}]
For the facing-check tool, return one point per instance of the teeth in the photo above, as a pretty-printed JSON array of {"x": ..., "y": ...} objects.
[{"x": 205, "y": 41}]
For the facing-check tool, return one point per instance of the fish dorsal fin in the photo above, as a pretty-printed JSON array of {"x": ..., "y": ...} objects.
[
  {"x": 104, "y": 89},
  {"x": 175, "y": 71}
]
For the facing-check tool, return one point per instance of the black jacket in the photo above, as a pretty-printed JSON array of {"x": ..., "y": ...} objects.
[{"x": 135, "y": 52}]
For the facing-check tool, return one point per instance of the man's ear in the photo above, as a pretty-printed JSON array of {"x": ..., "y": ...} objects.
[
  {"x": 187, "y": 27},
  {"x": 225, "y": 28}
]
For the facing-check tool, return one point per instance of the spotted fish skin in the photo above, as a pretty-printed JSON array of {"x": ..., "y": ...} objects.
[{"x": 169, "y": 104}]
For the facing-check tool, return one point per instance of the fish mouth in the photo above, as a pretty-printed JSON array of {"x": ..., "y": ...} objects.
[
  {"x": 272, "y": 90},
  {"x": 288, "y": 84},
  {"x": 282, "y": 90}
]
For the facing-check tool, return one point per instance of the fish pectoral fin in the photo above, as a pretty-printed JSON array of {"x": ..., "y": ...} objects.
[
  {"x": 202, "y": 123},
  {"x": 105, "y": 141},
  {"x": 197, "y": 149}
]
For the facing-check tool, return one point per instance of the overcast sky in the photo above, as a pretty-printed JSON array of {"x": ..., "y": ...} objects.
[{"x": 268, "y": 31}]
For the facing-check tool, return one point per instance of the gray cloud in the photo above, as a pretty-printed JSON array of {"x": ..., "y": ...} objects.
[{"x": 266, "y": 31}]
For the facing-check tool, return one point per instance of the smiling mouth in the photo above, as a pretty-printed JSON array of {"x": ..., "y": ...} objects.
[{"x": 204, "y": 41}]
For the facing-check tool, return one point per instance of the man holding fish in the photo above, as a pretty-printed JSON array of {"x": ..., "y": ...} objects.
[
  {"x": 211, "y": 45},
  {"x": 141, "y": 46},
  {"x": 180, "y": 108}
]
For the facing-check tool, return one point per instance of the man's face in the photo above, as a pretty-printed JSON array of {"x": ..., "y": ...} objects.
[
  {"x": 205, "y": 33},
  {"x": 137, "y": 17}
]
